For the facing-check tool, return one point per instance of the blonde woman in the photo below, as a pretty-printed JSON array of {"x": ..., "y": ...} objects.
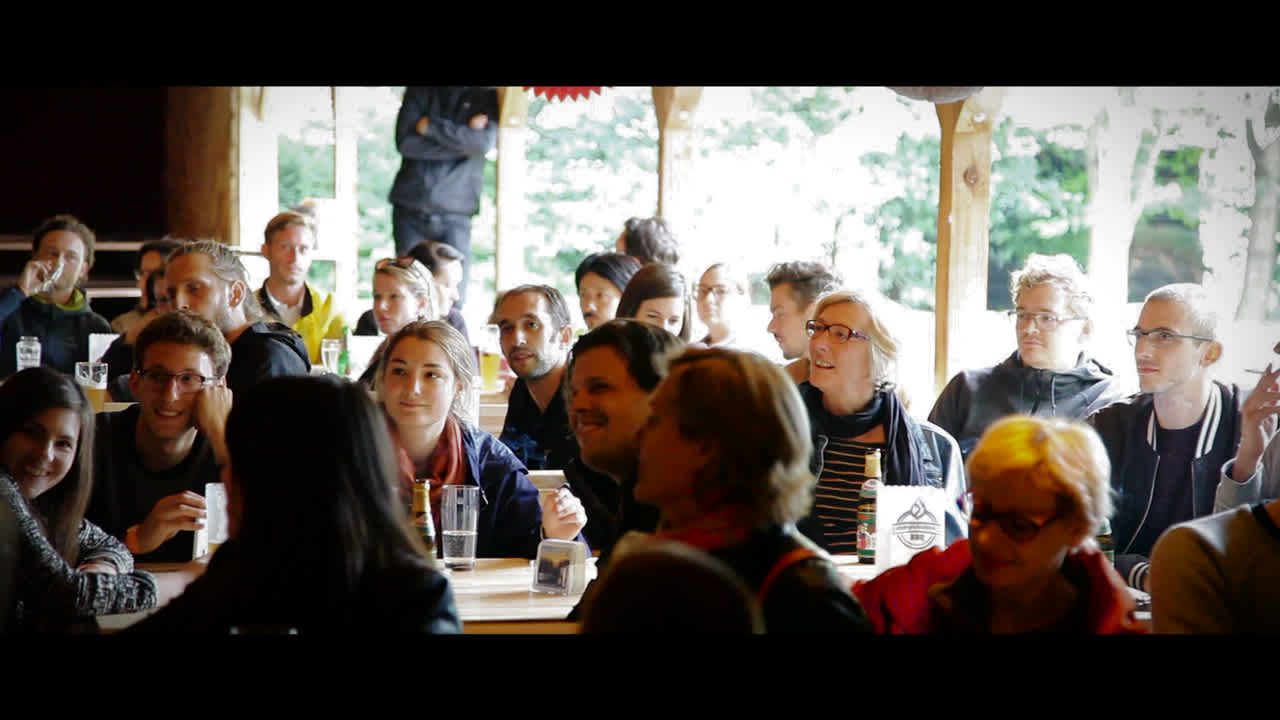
[
  {"x": 854, "y": 411},
  {"x": 403, "y": 292},
  {"x": 1041, "y": 489}
]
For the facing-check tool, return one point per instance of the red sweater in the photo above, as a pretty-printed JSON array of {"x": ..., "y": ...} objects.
[{"x": 900, "y": 601}]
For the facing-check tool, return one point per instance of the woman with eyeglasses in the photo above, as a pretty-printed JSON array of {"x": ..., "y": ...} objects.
[
  {"x": 403, "y": 292},
  {"x": 1040, "y": 489},
  {"x": 68, "y": 569},
  {"x": 657, "y": 294},
  {"x": 423, "y": 386},
  {"x": 722, "y": 298},
  {"x": 853, "y": 412}
]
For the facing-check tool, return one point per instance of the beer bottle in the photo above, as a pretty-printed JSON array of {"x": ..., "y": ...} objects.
[
  {"x": 422, "y": 520},
  {"x": 867, "y": 510},
  {"x": 1105, "y": 543},
  {"x": 344, "y": 357}
]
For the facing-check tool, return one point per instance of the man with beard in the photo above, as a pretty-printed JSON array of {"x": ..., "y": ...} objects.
[
  {"x": 207, "y": 278},
  {"x": 534, "y": 327},
  {"x": 47, "y": 301}
]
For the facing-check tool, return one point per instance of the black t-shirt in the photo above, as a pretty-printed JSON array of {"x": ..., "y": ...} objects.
[
  {"x": 1172, "y": 500},
  {"x": 124, "y": 491},
  {"x": 263, "y": 350},
  {"x": 542, "y": 440}
]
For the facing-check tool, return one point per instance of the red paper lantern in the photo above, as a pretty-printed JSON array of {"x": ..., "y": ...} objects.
[{"x": 562, "y": 93}]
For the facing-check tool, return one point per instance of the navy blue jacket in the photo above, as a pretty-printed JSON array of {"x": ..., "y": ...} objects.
[
  {"x": 510, "y": 522},
  {"x": 64, "y": 334},
  {"x": 443, "y": 171}
]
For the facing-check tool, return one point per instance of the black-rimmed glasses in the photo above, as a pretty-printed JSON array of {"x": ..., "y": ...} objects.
[
  {"x": 839, "y": 333},
  {"x": 188, "y": 382},
  {"x": 1160, "y": 337}
]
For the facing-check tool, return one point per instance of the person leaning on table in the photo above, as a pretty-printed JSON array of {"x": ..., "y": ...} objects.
[
  {"x": 318, "y": 539},
  {"x": 68, "y": 569},
  {"x": 1041, "y": 488}
]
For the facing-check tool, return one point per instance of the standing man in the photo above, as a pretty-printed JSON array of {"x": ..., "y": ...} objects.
[
  {"x": 443, "y": 134},
  {"x": 288, "y": 243},
  {"x": 48, "y": 303},
  {"x": 1168, "y": 443},
  {"x": 207, "y": 278},
  {"x": 150, "y": 259},
  {"x": 152, "y": 460},
  {"x": 535, "y": 335},
  {"x": 1049, "y": 374},
  {"x": 794, "y": 289}
]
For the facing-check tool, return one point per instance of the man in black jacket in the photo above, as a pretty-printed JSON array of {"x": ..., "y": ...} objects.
[
  {"x": 1049, "y": 374},
  {"x": 1168, "y": 443},
  {"x": 207, "y": 278},
  {"x": 442, "y": 134}
]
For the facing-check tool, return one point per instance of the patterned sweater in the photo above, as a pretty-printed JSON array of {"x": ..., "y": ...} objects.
[{"x": 51, "y": 595}]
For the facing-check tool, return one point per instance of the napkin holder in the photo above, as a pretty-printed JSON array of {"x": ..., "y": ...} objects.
[
  {"x": 909, "y": 519},
  {"x": 560, "y": 568}
]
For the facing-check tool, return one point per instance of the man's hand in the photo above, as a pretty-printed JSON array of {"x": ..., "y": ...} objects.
[
  {"x": 171, "y": 515},
  {"x": 421, "y": 127},
  {"x": 1258, "y": 423},
  {"x": 34, "y": 274},
  {"x": 478, "y": 122},
  {"x": 209, "y": 413},
  {"x": 563, "y": 516}
]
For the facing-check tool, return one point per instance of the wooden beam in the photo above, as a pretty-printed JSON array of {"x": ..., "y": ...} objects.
[
  {"x": 200, "y": 165},
  {"x": 675, "y": 108},
  {"x": 964, "y": 212},
  {"x": 513, "y": 106}
]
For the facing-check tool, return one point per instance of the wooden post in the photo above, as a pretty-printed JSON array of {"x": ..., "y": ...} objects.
[
  {"x": 341, "y": 242},
  {"x": 964, "y": 212},
  {"x": 200, "y": 165},
  {"x": 675, "y": 107},
  {"x": 512, "y": 167},
  {"x": 255, "y": 197}
]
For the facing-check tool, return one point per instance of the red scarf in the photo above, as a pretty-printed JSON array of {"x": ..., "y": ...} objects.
[
  {"x": 712, "y": 531},
  {"x": 447, "y": 465}
]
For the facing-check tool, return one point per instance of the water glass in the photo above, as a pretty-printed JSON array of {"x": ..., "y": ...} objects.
[
  {"x": 330, "y": 350},
  {"x": 92, "y": 377},
  {"x": 28, "y": 352},
  {"x": 459, "y": 517}
]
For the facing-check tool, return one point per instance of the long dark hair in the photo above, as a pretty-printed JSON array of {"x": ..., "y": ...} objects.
[
  {"x": 656, "y": 280},
  {"x": 22, "y": 397},
  {"x": 321, "y": 507}
]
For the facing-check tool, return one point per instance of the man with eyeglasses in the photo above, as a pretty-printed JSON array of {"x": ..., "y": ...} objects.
[
  {"x": 288, "y": 243},
  {"x": 1050, "y": 374},
  {"x": 1167, "y": 444},
  {"x": 152, "y": 459}
]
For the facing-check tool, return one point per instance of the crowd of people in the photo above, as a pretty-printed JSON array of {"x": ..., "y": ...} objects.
[{"x": 713, "y": 484}]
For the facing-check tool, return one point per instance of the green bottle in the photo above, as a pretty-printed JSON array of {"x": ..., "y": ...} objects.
[{"x": 344, "y": 357}]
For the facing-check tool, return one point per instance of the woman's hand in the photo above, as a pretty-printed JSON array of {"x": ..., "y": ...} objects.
[{"x": 563, "y": 516}]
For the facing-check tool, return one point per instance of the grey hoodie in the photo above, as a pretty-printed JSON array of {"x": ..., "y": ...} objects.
[{"x": 976, "y": 398}]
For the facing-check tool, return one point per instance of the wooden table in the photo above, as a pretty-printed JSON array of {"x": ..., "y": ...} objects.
[{"x": 494, "y": 598}]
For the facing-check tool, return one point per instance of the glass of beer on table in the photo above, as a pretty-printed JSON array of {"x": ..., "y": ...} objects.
[{"x": 92, "y": 377}]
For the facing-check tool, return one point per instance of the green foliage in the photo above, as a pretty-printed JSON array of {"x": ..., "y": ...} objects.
[
  {"x": 306, "y": 170},
  {"x": 908, "y": 223}
]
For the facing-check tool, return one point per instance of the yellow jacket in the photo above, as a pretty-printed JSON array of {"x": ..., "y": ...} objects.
[{"x": 319, "y": 319}]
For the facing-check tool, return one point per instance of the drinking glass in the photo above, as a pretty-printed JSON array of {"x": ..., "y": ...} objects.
[
  {"x": 92, "y": 377},
  {"x": 330, "y": 349},
  {"x": 459, "y": 516}
]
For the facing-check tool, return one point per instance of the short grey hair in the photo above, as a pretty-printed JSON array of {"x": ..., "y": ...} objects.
[{"x": 1203, "y": 318}]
